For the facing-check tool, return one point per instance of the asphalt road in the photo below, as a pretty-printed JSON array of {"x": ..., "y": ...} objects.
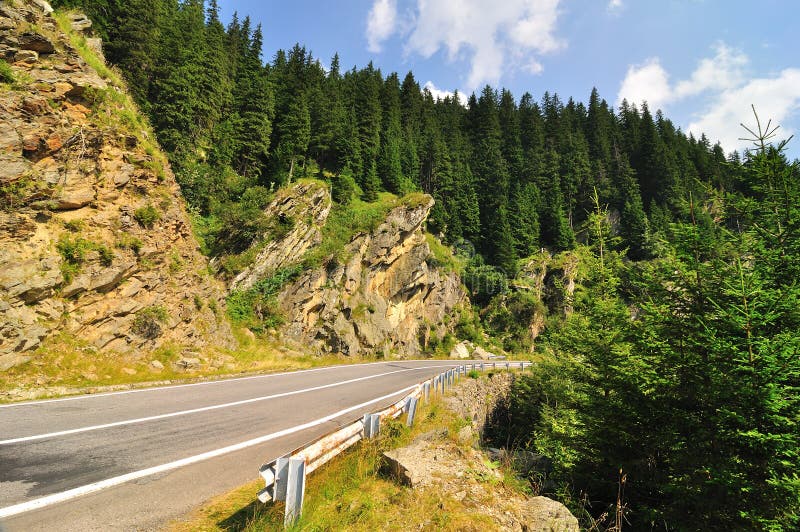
[{"x": 136, "y": 460}]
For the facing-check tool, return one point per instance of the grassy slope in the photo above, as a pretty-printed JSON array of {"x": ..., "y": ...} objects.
[{"x": 350, "y": 492}]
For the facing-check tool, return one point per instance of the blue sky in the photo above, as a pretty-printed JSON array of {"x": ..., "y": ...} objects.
[{"x": 702, "y": 61}]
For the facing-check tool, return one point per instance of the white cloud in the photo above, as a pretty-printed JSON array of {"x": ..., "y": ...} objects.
[
  {"x": 646, "y": 83},
  {"x": 723, "y": 71},
  {"x": 724, "y": 91},
  {"x": 439, "y": 94},
  {"x": 381, "y": 23},
  {"x": 650, "y": 81},
  {"x": 614, "y": 4},
  {"x": 774, "y": 98},
  {"x": 494, "y": 37}
]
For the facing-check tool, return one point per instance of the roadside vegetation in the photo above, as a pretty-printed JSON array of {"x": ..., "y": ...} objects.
[{"x": 352, "y": 493}]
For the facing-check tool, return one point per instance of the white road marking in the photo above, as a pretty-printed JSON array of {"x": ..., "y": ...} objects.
[
  {"x": 205, "y": 408},
  {"x": 103, "y": 484},
  {"x": 205, "y": 383}
]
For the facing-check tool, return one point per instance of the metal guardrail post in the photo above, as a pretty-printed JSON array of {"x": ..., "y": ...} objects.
[
  {"x": 267, "y": 472},
  {"x": 372, "y": 425},
  {"x": 274, "y": 476},
  {"x": 296, "y": 489},
  {"x": 411, "y": 411}
]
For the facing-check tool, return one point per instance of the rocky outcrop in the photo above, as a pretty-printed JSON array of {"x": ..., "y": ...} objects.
[
  {"x": 454, "y": 467},
  {"x": 94, "y": 236},
  {"x": 382, "y": 298},
  {"x": 301, "y": 210}
]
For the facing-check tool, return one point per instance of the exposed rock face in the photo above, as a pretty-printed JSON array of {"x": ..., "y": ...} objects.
[
  {"x": 305, "y": 207},
  {"x": 461, "y": 471},
  {"x": 380, "y": 298},
  {"x": 73, "y": 254},
  {"x": 477, "y": 399}
]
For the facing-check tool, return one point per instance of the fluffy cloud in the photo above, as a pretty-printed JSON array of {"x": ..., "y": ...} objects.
[
  {"x": 723, "y": 90},
  {"x": 381, "y": 23},
  {"x": 774, "y": 98},
  {"x": 614, "y": 4},
  {"x": 439, "y": 94},
  {"x": 721, "y": 72},
  {"x": 648, "y": 82},
  {"x": 494, "y": 37}
]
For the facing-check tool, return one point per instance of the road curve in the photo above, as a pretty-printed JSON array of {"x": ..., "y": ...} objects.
[{"x": 135, "y": 460}]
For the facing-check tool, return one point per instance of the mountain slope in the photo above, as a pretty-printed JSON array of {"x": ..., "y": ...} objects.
[{"x": 94, "y": 235}]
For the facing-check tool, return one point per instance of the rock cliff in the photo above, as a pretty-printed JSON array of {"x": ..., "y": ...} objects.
[
  {"x": 94, "y": 236},
  {"x": 382, "y": 298},
  {"x": 381, "y": 294},
  {"x": 304, "y": 208}
]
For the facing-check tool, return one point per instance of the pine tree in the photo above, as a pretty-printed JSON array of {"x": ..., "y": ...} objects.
[
  {"x": 389, "y": 162},
  {"x": 491, "y": 173},
  {"x": 254, "y": 106}
]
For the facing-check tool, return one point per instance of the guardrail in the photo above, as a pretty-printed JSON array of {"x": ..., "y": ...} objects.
[{"x": 286, "y": 477}]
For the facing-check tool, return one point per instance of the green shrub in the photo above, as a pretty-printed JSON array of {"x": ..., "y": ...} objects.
[
  {"x": 73, "y": 250},
  {"x": 473, "y": 374},
  {"x": 148, "y": 322},
  {"x": 6, "y": 74},
  {"x": 484, "y": 282},
  {"x": 128, "y": 241},
  {"x": 258, "y": 308},
  {"x": 343, "y": 187},
  {"x": 74, "y": 226},
  {"x": 106, "y": 255},
  {"x": 147, "y": 216}
]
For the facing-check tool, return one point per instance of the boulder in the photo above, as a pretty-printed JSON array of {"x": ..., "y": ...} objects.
[
  {"x": 73, "y": 199},
  {"x": 26, "y": 56},
  {"x": 80, "y": 22},
  {"x": 44, "y": 6},
  {"x": 460, "y": 351},
  {"x": 540, "y": 514},
  {"x": 36, "y": 42},
  {"x": 111, "y": 276},
  {"x": 12, "y": 168},
  {"x": 483, "y": 354},
  {"x": 31, "y": 280},
  {"x": 11, "y": 360},
  {"x": 188, "y": 363}
]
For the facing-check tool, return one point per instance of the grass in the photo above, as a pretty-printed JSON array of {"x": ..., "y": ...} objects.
[
  {"x": 114, "y": 107},
  {"x": 147, "y": 216},
  {"x": 6, "y": 74},
  {"x": 74, "y": 251},
  {"x": 352, "y": 493},
  {"x": 347, "y": 221},
  {"x": 66, "y": 364},
  {"x": 442, "y": 256},
  {"x": 257, "y": 308}
]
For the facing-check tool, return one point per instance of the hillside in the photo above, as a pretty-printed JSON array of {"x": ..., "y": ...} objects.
[{"x": 95, "y": 243}]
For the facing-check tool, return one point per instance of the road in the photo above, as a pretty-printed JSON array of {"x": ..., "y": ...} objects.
[{"x": 135, "y": 460}]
